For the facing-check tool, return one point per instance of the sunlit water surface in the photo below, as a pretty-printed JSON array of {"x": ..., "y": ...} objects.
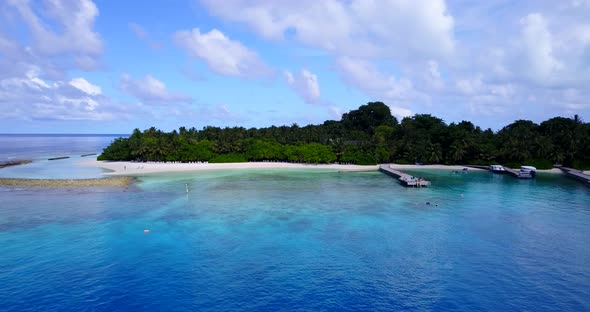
[
  {"x": 40, "y": 147},
  {"x": 287, "y": 240},
  {"x": 298, "y": 241}
]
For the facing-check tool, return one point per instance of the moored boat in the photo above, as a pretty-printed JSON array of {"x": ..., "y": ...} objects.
[
  {"x": 497, "y": 168},
  {"x": 528, "y": 170}
]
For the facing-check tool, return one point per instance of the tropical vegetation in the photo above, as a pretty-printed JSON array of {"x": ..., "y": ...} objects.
[{"x": 368, "y": 135}]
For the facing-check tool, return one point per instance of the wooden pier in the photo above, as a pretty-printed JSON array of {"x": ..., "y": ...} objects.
[
  {"x": 576, "y": 174},
  {"x": 518, "y": 174},
  {"x": 404, "y": 178},
  {"x": 513, "y": 172}
]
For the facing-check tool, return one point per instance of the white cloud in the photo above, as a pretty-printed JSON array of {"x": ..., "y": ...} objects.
[
  {"x": 433, "y": 77},
  {"x": 85, "y": 86},
  {"x": 367, "y": 77},
  {"x": 433, "y": 70},
  {"x": 46, "y": 41},
  {"x": 31, "y": 98},
  {"x": 211, "y": 115},
  {"x": 223, "y": 55},
  {"x": 74, "y": 19},
  {"x": 486, "y": 98},
  {"x": 469, "y": 86},
  {"x": 150, "y": 90},
  {"x": 364, "y": 75},
  {"x": 138, "y": 31},
  {"x": 223, "y": 112},
  {"x": 305, "y": 84},
  {"x": 360, "y": 33},
  {"x": 510, "y": 53},
  {"x": 361, "y": 28},
  {"x": 491, "y": 57},
  {"x": 538, "y": 48},
  {"x": 416, "y": 26},
  {"x": 400, "y": 112},
  {"x": 336, "y": 112}
]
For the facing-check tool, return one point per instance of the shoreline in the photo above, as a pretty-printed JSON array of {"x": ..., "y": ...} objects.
[
  {"x": 127, "y": 168},
  {"x": 122, "y": 173}
]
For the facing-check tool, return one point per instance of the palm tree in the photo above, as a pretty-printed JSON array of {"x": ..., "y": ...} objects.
[
  {"x": 457, "y": 151},
  {"x": 434, "y": 153}
]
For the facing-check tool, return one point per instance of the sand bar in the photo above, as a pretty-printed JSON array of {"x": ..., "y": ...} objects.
[
  {"x": 14, "y": 163},
  {"x": 112, "y": 181}
]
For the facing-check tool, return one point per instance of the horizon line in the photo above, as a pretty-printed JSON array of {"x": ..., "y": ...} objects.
[{"x": 113, "y": 134}]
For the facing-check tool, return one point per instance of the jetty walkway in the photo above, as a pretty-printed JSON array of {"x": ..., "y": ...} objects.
[
  {"x": 518, "y": 174},
  {"x": 576, "y": 174},
  {"x": 515, "y": 173},
  {"x": 404, "y": 178}
]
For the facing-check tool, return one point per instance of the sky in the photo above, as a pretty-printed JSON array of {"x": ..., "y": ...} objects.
[{"x": 83, "y": 66}]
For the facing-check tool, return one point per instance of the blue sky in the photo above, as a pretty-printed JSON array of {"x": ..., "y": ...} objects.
[{"x": 112, "y": 66}]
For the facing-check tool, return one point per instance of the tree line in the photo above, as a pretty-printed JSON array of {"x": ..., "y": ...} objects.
[{"x": 368, "y": 135}]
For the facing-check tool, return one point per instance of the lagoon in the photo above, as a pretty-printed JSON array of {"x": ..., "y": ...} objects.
[{"x": 297, "y": 240}]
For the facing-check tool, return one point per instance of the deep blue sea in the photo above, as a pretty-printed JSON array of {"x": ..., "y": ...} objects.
[{"x": 289, "y": 240}]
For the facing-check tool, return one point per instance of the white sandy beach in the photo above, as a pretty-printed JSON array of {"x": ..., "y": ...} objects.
[
  {"x": 134, "y": 168},
  {"x": 553, "y": 170}
]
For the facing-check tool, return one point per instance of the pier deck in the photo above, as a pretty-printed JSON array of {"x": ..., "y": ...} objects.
[
  {"x": 517, "y": 173},
  {"x": 513, "y": 172},
  {"x": 404, "y": 178},
  {"x": 576, "y": 174}
]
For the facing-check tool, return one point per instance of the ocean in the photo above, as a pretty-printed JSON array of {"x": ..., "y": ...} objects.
[
  {"x": 297, "y": 240},
  {"x": 41, "y": 147}
]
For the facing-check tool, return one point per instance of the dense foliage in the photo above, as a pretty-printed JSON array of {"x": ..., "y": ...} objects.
[{"x": 368, "y": 135}]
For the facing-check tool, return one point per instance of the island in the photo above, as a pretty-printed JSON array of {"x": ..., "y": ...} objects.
[{"x": 369, "y": 135}]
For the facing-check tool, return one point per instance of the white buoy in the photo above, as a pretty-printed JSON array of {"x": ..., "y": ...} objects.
[{"x": 186, "y": 187}]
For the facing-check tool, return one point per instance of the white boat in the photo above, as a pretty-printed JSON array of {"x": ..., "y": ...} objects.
[
  {"x": 528, "y": 170},
  {"x": 496, "y": 168}
]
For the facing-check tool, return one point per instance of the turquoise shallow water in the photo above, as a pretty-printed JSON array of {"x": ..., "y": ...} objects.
[
  {"x": 40, "y": 147},
  {"x": 298, "y": 240}
]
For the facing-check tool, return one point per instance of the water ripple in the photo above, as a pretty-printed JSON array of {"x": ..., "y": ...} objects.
[{"x": 298, "y": 242}]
